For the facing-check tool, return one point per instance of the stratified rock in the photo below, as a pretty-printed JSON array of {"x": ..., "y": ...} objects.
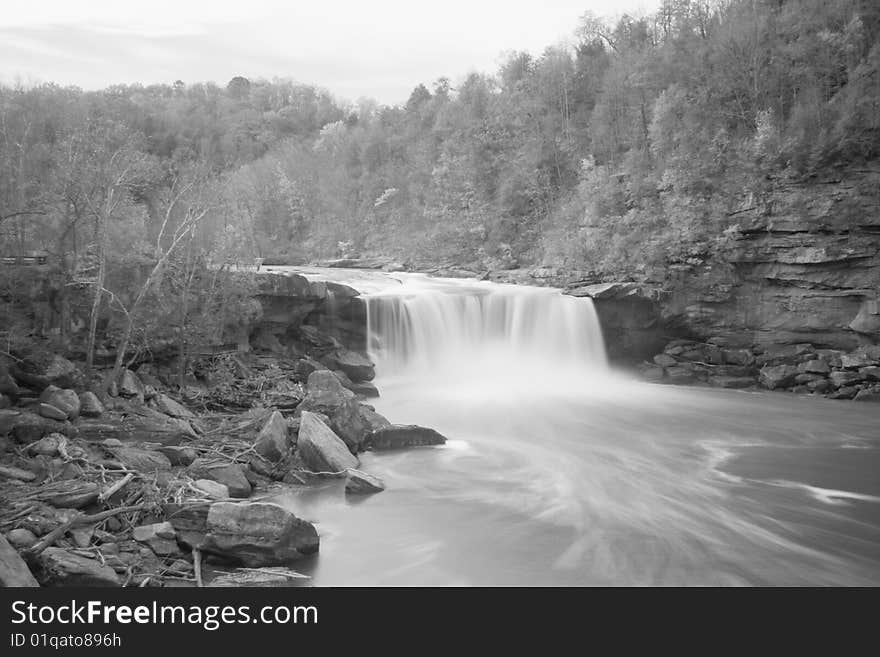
[
  {"x": 321, "y": 449},
  {"x": 252, "y": 534},
  {"x": 43, "y": 369},
  {"x": 130, "y": 385},
  {"x": 364, "y": 389},
  {"x": 856, "y": 360},
  {"x": 14, "y": 572},
  {"x": 230, "y": 475},
  {"x": 665, "y": 360},
  {"x": 27, "y": 427},
  {"x": 356, "y": 366},
  {"x": 90, "y": 405},
  {"x": 361, "y": 483},
  {"x": 327, "y": 396},
  {"x": 738, "y": 356},
  {"x": 821, "y": 386},
  {"x": 211, "y": 489},
  {"x": 806, "y": 377},
  {"x": 178, "y": 455},
  {"x": 404, "y": 435},
  {"x": 779, "y": 376},
  {"x": 58, "y": 567},
  {"x": 842, "y": 379},
  {"x": 49, "y": 411},
  {"x": 815, "y": 366},
  {"x": 870, "y": 373},
  {"x": 847, "y": 392},
  {"x": 272, "y": 442},
  {"x": 164, "y": 404},
  {"x": 141, "y": 460},
  {"x": 64, "y": 400}
]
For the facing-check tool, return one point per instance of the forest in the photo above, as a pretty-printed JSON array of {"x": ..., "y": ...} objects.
[{"x": 623, "y": 155}]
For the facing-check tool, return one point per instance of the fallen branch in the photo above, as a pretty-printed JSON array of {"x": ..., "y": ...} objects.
[
  {"x": 115, "y": 488},
  {"x": 77, "y": 521}
]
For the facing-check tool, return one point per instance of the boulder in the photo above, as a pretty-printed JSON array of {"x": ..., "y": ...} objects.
[
  {"x": 90, "y": 405},
  {"x": 847, "y": 392},
  {"x": 51, "y": 412},
  {"x": 320, "y": 448},
  {"x": 361, "y": 483},
  {"x": 815, "y": 366},
  {"x": 842, "y": 379},
  {"x": 371, "y": 418},
  {"x": 355, "y": 365},
  {"x": 177, "y": 455},
  {"x": 42, "y": 369},
  {"x": 739, "y": 356},
  {"x": 868, "y": 395},
  {"x": 229, "y": 474},
  {"x": 272, "y": 442},
  {"x": 364, "y": 389},
  {"x": 58, "y": 567},
  {"x": 27, "y": 427},
  {"x": 14, "y": 572},
  {"x": 327, "y": 396},
  {"x": 856, "y": 360},
  {"x": 665, "y": 360},
  {"x": 141, "y": 460},
  {"x": 871, "y": 373},
  {"x": 304, "y": 368},
  {"x": 404, "y": 435},
  {"x": 211, "y": 489},
  {"x": 779, "y": 376},
  {"x": 820, "y": 386},
  {"x": 21, "y": 538},
  {"x": 47, "y": 445},
  {"x": 65, "y": 400},
  {"x": 131, "y": 386},
  {"x": 253, "y": 534},
  {"x": 164, "y": 404}
]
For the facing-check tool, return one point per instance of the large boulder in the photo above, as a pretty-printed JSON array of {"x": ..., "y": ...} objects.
[
  {"x": 58, "y": 567},
  {"x": 321, "y": 449},
  {"x": 14, "y": 572},
  {"x": 131, "y": 386},
  {"x": 90, "y": 405},
  {"x": 779, "y": 376},
  {"x": 355, "y": 365},
  {"x": 230, "y": 475},
  {"x": 373, "y": 419},
  {"x": 65, "y": 400},
  {"x": 327, "y": 396},
  {"x": 42, "y": 369},
  {"x": 272, "y": 442},
  {"x": 361, "y": 483},
  {"x": 253, "y": 534},
  {"x": 842, "y": 379},
  {"x": 397, "y": 436}
]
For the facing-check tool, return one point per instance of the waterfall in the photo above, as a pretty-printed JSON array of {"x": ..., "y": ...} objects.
[{"x": 476, "y": 332}]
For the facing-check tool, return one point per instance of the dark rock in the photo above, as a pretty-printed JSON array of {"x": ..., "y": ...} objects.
[
  {"x": 27, "y": 427},
  {"x": 14, "y": 572},
  {"x": 141, "y": 460},
  {"x": 870, "y": 373},
  {"x": 320, "y": 448},
  {"x": 47, "y": 445},
  {"x": 404, "y": 435},
  {"x": 868, "y": 395},
  {"x": 779, "y": 376},
  {"x": 842, "y": 379},
  {"x": 272, "y": 442},
  {"x": 49, "y": 411},
  {"x": 739, "y": 356},
  {"x": 164, "y": 404},
  {"x": 327, "y": 396},
  {"x": 130, "y": 386},
  {"x": 831, "y": 356},
  {"x": 58, "y": 567},
  {"x": 230, "y": 475},
  {"x": 356, "y": 366},
  {"x": 732, "y": 381},
  {"x": 847, "y": 392},
  {"x": 372, "y": 419},
  {"x": 42, "y": 369},
  {"x": 821, "y": 386},
  {"x": 90, "y": 405},
  {"x": 254, "y": 534},
  {"x": 21, "y": 539},
  {"x": 66, "y": 401},
  {"x": 364, "y": 389},
  {"x": 664, "y": 360},
  {"x": 177, "y": 455},
  {"x": 361, "y": 483}
]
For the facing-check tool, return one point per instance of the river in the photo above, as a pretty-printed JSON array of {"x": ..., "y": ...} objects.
[{"x": 561, "y": 471}]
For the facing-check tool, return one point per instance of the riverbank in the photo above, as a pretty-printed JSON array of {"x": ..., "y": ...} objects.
[{"x": 145, "y": 483}]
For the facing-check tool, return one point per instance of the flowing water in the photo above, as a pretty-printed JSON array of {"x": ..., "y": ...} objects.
[{"x": 560, "y": 471}]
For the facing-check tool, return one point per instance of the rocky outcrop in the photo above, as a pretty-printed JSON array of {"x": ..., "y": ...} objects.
[{"x": 272, "y": 442}]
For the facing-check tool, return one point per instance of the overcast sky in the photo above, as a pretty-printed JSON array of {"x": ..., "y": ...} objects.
[{"x": 375, "y": 48}]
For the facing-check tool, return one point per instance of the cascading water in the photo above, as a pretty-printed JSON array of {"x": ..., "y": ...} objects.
[
  {"x": 557, "y": 471},
  {"x": 483, "y": 333}
]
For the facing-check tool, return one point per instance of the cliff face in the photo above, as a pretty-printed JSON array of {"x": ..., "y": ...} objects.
[{"x": 805, "y": 267}]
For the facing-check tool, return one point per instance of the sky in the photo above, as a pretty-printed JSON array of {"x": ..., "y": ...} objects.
[{"x": 373, "y": 48}]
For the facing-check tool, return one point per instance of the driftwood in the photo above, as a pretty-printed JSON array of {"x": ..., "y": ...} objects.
[{"x": 77, "y": 521}]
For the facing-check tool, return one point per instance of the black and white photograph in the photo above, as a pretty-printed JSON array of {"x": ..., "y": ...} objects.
[{"x": 461, "y": 295}]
